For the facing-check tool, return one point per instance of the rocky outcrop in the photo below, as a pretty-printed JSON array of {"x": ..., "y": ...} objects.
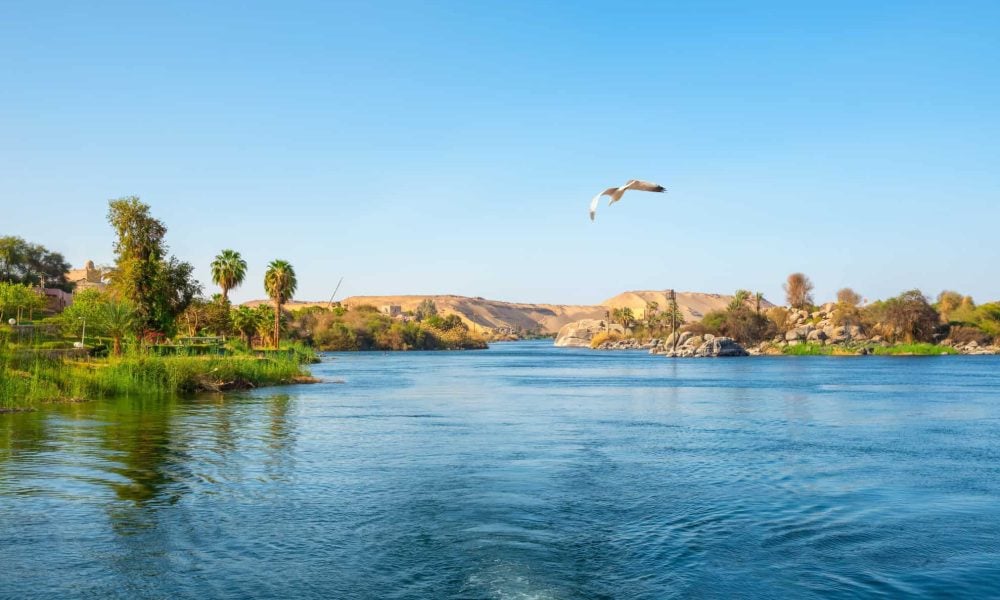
[
  {"x": 696, "y": 346},
  {"x": 579, "y": 334},
  {"x": 628, "y": 344},
  {"x": 972, "y": 348}
]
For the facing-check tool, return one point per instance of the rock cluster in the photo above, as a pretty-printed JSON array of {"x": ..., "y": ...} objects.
[
  {"x": 973, "y": 347},
  {"x": 696, "y": 346},
  {"x": 579, "y": 333},
  {"x": 817, "y": 327},
  {"x": 627, "y": 344}
]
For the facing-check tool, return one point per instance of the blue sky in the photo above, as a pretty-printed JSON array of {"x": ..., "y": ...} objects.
[{"x": 453, "y": 147}]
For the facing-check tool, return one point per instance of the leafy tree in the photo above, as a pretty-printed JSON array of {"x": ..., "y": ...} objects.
[
  {"x": 228, "y": 271},
  {"x": 16, "y": 296},
  {"x": 103, "y": 315},
  {"x": 847, "y": 311},
  {"x": 947, "y": 303},
  {"x": 32, "y": 264},
  {"x": 425, "y": 309},
  {"x": 908, "y": 315},
  {"x": 798, "y": 291},
  {"x": 280, "y": 284},
  {"x": 159, "y": 288}
]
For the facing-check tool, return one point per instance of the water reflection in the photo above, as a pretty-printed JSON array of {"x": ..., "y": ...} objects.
[
  {"x": 523, "y": 471},
  {"x": 143, "y": 449}
]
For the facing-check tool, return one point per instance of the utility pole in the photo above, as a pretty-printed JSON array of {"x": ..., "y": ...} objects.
[{"x": 673, "y": 317}]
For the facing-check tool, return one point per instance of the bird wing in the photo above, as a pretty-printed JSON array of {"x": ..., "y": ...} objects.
[
  {"x": 644, "y": 186},
  {"x": 597, "y": 198}
]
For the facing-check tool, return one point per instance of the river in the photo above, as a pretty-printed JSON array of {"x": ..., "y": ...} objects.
[{"x": 523, "y": 471}]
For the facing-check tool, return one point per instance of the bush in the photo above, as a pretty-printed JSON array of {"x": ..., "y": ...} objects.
[
  {"x": 604, "y": 336},
  {"x": 961, "y": 334}
]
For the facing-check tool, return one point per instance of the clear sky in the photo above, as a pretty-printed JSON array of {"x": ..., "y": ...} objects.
[{"x": 453, "y": 147}]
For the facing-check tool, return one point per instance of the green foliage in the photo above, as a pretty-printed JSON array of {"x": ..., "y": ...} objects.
[
  {"x": 917, "y": 349},
  {"x": 739, "y": 301},
  {"x": 32, "y": 265},
  {"x": 741, "y": 323},
  {"x": 15, "y": 297},
  {"x": 228, "y": 271},
  {"x": 280, "y": 283},
  {"x": 426, "y": 309},
  {"x": 28, "y": 379},
  {"x": 363, "y": 329},
  {"x": 907, "y": 317},
  {"x": 985, "y": 317},
  {"x": 623, "y": 316},
  {"x": 808, "y": 349},
  {"x": 160, "y": 288}
]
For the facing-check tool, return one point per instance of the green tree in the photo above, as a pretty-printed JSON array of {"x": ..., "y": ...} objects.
[
  {"x": 740, "y": 299},
  {"x": 32, "y": 264},
  {"x": 426, "y": 309},
  {"x": 158, "y": 287},
  {"x": 908, "y": 315},
  {"x": 17, "y": 297},
  {"x": 103, "y": 315},
  {"x": 947, "y": 303},
  {"x": 280, "y": 284},
  {"x": 119, "y": 322},
  {"x": 245, "y": 321},
  {"x": 228, "y": 271}
]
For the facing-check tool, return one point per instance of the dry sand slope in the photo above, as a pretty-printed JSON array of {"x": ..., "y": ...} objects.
[{"x": 546, "y": 317}]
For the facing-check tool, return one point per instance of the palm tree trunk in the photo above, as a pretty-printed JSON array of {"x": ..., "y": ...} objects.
[
  {"x": 117, "y": 347},
  {"x": 277, "y": 322},
  {"x": 225, "y": 294}
]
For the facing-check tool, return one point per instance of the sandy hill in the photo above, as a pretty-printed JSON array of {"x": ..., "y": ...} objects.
[
  {"x": 693, "y": 305},
  {"x": 491, "y": 313},
  {"x": 494, "y": 314}
]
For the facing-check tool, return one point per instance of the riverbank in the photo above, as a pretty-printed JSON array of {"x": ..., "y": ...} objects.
[{"x": 28, "y": 379}]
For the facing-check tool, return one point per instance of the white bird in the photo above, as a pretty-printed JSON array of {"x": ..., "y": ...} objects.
[{"x": 616, "y": 193}]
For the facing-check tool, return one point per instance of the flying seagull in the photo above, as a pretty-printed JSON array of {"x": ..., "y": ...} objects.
[{"x": 616, "y": 193}]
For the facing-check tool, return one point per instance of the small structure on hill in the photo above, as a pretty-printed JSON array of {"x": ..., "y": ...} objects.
[
  {"x": 393, "y": 310},
  {"x": 89, "y": 277}
]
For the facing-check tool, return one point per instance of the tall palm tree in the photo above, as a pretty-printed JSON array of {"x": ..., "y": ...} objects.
[
  {"x": 228, "y": 271},
  {"x": 280, "y": 284}
]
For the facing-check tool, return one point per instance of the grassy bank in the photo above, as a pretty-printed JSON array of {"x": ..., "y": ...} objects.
[
  {"x": 920, "y": 349},
  {"x": 28, "y": 379}
]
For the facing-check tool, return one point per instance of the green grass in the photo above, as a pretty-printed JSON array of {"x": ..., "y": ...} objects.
[
  {"x": 922, "y": 349},
  {"x": 807, "y": 349},
  {"x": 27, "y": 379}
]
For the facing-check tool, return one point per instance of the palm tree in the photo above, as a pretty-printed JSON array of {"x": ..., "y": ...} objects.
[
  {"x": 119, "y": 321},
  {"x": 228, "y": 271},
  {"x": 245, "y": 320},
  {"x": 758, "y": 298},
  {"x": 739, "y": 299},
  {"x": 280, "y": 284}
]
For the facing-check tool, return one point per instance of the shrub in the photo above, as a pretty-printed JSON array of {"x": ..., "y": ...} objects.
[{"x": 603, "y": 337}]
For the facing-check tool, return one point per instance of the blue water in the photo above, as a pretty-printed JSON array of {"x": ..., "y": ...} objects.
[{"x": 523, "y": 471}]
